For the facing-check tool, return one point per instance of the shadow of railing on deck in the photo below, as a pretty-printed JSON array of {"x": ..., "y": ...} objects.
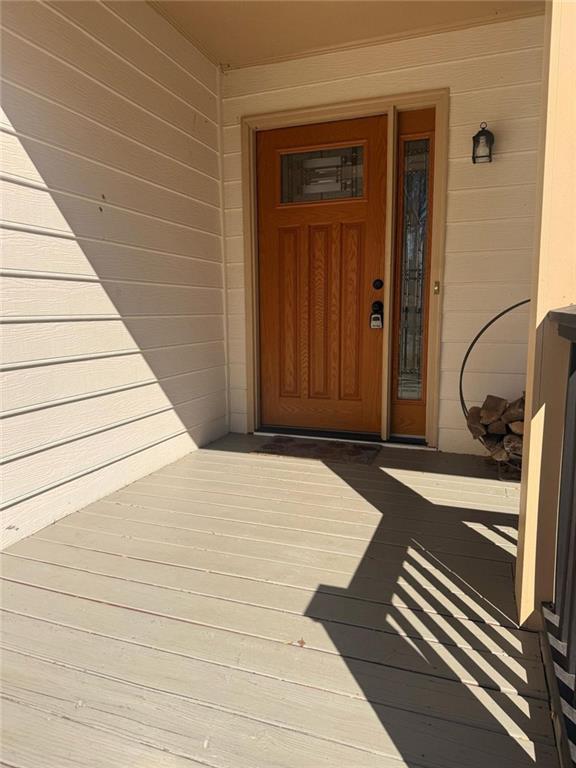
[{"x": 420, "y": 628}]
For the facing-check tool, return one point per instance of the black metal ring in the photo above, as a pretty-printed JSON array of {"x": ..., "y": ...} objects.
[{"x": 473, "y": 344}]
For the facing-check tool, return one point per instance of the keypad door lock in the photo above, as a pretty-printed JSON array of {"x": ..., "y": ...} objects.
[{"x": 377, "y": 315}]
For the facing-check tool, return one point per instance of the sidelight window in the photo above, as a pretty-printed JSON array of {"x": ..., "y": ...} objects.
[{"x": 414, "y": 243}]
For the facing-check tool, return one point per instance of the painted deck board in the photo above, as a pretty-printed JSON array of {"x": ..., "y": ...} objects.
[
  {"x": 262, "y": 531},
  {"x": 68, "y": 743},
  {"x": 239, "y": 610},
  {"x": 350, "y": 529},
  {"x": 395, "y": 589},
  {"x": 266, "y": 632},
  {"x": 30, "y": 568}
]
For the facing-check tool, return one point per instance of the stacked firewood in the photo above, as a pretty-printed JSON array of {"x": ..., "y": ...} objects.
[{"x": 499, "y": 425}]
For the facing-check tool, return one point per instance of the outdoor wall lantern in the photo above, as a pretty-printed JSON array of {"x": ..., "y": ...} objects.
[{"x": 482, "y": 143}]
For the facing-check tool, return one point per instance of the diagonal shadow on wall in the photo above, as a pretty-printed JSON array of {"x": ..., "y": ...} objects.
[{"x": 113, "y": 342}]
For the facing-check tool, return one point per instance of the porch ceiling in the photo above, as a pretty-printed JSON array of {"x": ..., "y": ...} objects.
[{"x": 239, "y": 34}]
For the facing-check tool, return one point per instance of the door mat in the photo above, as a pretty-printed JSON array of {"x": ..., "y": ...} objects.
[{"x": 322, "y": 450}]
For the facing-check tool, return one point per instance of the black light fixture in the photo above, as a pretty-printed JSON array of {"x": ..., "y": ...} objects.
[{"x": 482, "y": 143}]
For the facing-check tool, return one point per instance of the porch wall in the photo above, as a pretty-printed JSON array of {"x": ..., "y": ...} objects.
[
  {"x": 111, "y": 242},
  {"x": 494, "y": 74}
]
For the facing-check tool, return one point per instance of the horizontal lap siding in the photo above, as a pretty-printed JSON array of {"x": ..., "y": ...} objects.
[
  {"x": 494, "y": 74},
  {"x": 113, "y": 343}
]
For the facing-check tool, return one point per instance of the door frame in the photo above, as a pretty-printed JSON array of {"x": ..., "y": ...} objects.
[{"x": 250, "y": 125}]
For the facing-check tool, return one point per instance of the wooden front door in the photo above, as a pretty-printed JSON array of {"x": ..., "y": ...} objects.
[{"x": 321, "y": 228}]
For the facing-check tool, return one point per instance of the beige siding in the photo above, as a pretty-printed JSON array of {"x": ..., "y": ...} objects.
[
  {"x": 494, "y": 74},
  {"x": 113, "y": 346}
]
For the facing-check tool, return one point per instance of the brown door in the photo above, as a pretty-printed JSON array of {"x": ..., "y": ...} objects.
[
  {"x": 415, "y": 154},
  {"x": 321, "y": 226}
]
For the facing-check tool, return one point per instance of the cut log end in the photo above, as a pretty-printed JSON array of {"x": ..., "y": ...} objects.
[
  {"x": 473, "y": 420},
  {"x": 492, "y": 409},
  {"x": 497, "y": 428},
  {"x": 513, "y": 444},
  {"x": 515, "y": 411}
]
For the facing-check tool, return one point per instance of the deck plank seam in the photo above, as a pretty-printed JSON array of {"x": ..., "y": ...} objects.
[
  {"x": 323, "y": 589},
  {"x": 512, "y": 654},
  {"x": 377, "y": 514},
  {"x": 505, "y": 509},
  {"x": 378, "y": 484},
  {"x": 534, "y": 694},
  {"x": 414, "y": 544},
  {"x": 198, "y": 513},
  {"x": 266, "y": 638},
  {"x": 220, "y": 708}
]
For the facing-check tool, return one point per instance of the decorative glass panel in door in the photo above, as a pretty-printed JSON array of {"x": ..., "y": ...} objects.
[
  {"x": 415, "y": 175},
  {"x": 326, "y": 174}
]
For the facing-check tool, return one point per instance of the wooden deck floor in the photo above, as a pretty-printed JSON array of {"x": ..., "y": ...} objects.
[{"x": 238, "y": 610}]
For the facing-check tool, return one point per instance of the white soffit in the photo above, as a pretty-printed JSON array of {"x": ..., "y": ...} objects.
[{"x": 241, "y": 33}]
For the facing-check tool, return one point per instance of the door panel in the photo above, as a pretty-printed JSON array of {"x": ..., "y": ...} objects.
[
  {"x": 350, "y": 311},
  {"x": 288, "y": 275},
  {"x": 321, "y": 226},
  {"x": 320, "y": 333}
]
